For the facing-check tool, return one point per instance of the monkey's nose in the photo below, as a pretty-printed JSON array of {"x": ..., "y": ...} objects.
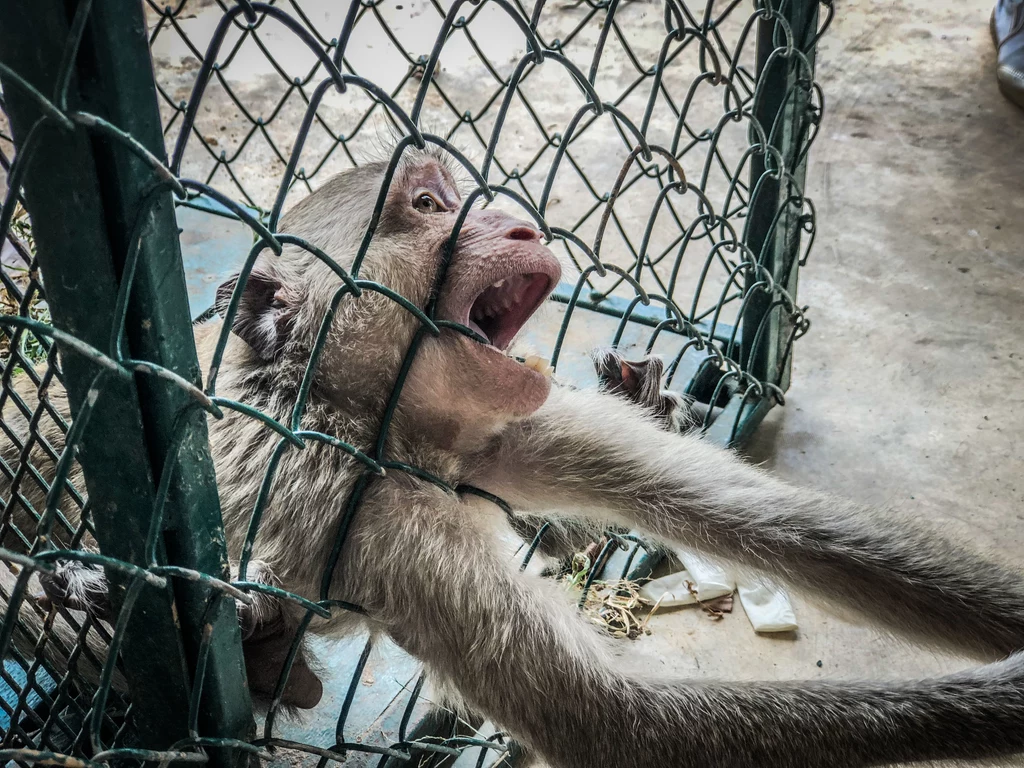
[{"x": 523, "y": 232}]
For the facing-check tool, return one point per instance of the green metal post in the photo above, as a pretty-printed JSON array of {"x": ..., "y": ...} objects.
[
  {"x": 783, "y": 109},
  {"x": 120, "y": 85},
  {"x": 84, "y": 193}
]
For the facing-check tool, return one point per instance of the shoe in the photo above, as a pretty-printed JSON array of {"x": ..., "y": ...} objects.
[{"x": 1007, "y": 28}]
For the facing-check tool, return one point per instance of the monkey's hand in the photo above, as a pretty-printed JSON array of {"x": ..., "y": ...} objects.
[
  {"x": 268, "y": 631},
  {"x": 639, "y": 382}
]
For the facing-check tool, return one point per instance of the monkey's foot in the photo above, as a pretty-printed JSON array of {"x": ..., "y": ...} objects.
[
  {"x": 640, "y": 383},
  {"x": 78, "y": 587}
]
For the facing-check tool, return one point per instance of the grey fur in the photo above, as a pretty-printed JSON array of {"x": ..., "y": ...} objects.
[{"x": 429, "y": 568}]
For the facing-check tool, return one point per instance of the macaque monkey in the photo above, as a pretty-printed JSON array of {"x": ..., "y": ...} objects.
[{"x": 426, "y": 565}]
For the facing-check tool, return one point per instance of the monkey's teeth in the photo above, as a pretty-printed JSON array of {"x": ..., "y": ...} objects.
[
  {"x": 474, "y": 326},
  {"x": 503, "y": 306},
  {"x": 538, "y": 364}
]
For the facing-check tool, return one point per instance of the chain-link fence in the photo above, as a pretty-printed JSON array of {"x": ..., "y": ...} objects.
[{"x": 661, "y": 148}]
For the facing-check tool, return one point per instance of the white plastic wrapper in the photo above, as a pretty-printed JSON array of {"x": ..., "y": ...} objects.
[
  {"x": 709, "y": 577},
  {"x": 767, "y": 606},
  {"x": 674, "y": 589}
]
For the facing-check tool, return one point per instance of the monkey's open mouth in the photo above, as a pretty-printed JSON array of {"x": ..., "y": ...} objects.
[{"x": 503, "y": 307}]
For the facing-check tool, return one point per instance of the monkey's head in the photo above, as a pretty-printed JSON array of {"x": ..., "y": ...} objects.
[{"x": 459, "y": 390}]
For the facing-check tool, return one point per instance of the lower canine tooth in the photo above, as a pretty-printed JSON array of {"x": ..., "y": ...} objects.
[{"x": 537, "y": 364}]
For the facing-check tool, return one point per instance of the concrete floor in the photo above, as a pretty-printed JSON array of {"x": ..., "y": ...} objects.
[{"x": 907, "y": 391}]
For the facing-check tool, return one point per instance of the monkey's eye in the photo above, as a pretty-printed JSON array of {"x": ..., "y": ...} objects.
[{"x": 425, "y": 202}]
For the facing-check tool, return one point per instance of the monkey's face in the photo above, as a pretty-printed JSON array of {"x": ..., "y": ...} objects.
[{"x": 461, "y": 390}]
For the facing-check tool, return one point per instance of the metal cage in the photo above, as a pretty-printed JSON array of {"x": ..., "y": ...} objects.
[{"x": 149, "y": 151}]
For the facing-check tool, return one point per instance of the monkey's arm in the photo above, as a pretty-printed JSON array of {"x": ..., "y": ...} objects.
[
  {"x": 518, "y": 652},
  {"x": 597, "y": 454}
]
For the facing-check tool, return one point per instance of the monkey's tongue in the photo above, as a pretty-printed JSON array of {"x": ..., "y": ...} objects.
[{"x": 503, "y": 308}]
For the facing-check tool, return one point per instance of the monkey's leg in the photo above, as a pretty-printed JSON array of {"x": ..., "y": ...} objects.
[
  {"x": 596, "y": 454},
  {"x": 516, "y": 651}
]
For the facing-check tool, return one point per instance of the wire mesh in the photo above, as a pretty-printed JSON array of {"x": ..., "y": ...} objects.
[
  {"x": 661, "y": 148},
  {"x": 44, "y": 702}
]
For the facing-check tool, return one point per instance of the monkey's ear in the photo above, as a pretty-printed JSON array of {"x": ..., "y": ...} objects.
[{"x": 265, "y": 313}]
